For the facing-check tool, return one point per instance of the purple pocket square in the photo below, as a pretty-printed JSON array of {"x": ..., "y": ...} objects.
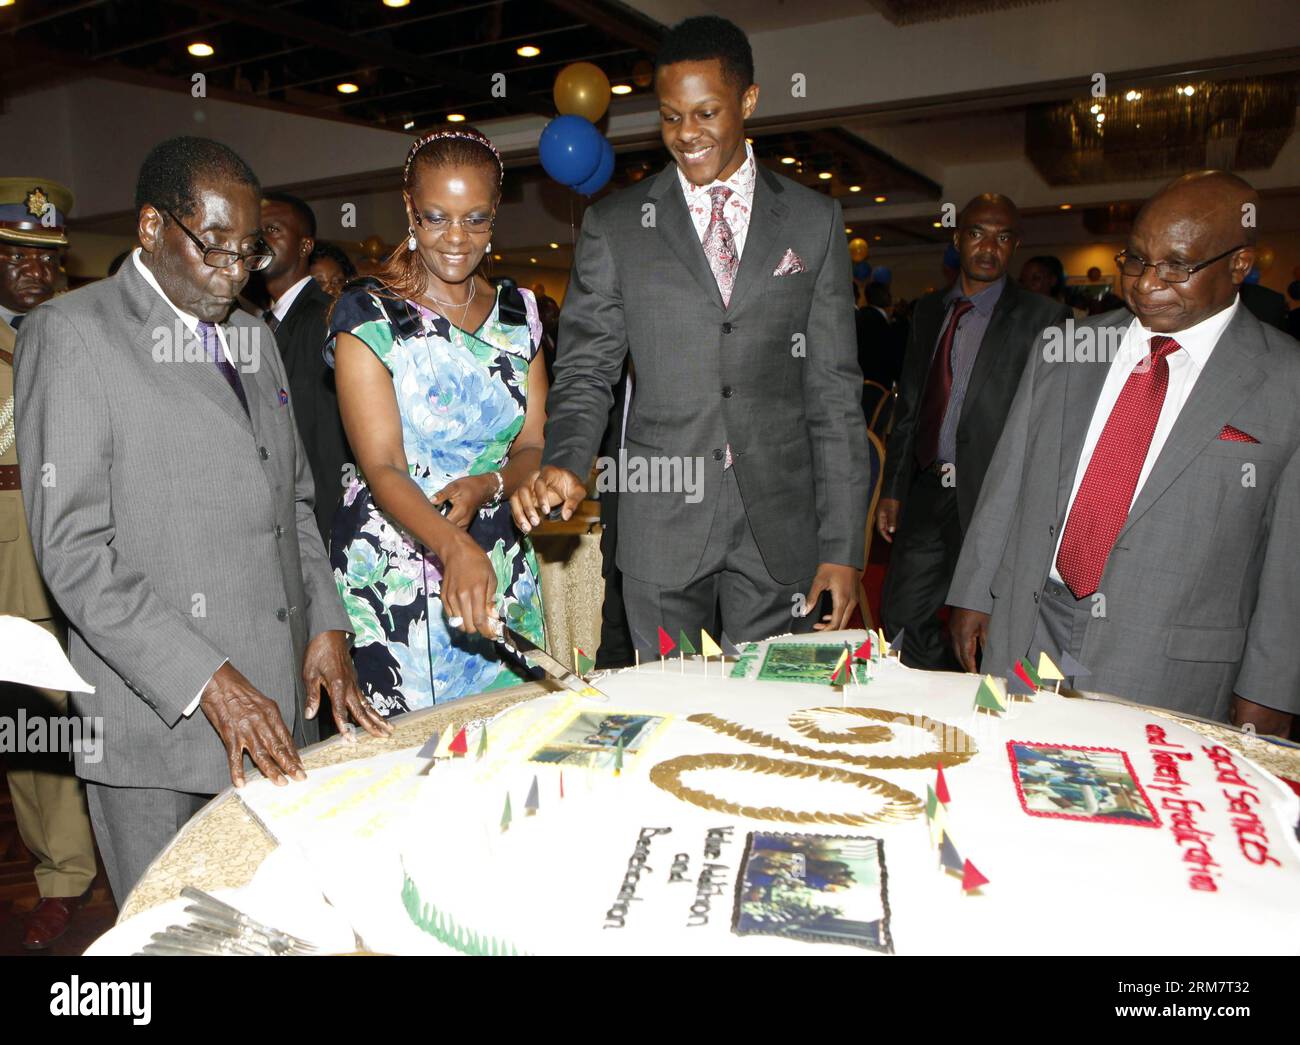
[{"x": 790, "y": 264}]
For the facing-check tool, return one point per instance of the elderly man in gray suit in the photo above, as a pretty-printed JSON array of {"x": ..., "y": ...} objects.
[
  {"x": 1142, "y": 509},
  {"x": 170, "y": 505},
  {"x": 730, "y": 287}
]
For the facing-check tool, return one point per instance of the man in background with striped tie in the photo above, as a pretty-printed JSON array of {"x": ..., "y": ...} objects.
[{"x": 1142, "y": 509}]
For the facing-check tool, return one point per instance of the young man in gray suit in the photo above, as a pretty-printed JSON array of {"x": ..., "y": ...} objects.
[
  {"x": 1142, "y": 508},
  {"x": 730, "y": 287},
  {"x": 170, "y": 506}
]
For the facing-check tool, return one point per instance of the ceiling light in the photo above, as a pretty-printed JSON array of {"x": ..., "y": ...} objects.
[
  {"x": 848, "y": 231},
  {"x": 881, "y": 199},
  {"x": 455, "y": 117},
  {"x": 876, "y": 237},
  {"x": 1095, "y": 109},
  {"x": 1133, "y": 96},
  {"x": 555, "y": 246},
  {"x": 937, "y": 224},
  {"x": 409, "y": 125},
  {"x": 396, "y": 3},
  {"x": 787, "y": 160},
  {"x": 198, "y": 49},
  {"x": 348, "y": 88},
  {"x": 825, "y": 175},
  {"x": 528, "y": 51},
  {"x": 1101, "y": 117},
  {"x": 621, "y": 88},
  {"x": 1189, "y": 90},
  {"x": 1066, "y": 206},
  {"x": 855, "y": 188},
  {"x": 533, "y": 260},
  {"x": 496, "y": 257}
]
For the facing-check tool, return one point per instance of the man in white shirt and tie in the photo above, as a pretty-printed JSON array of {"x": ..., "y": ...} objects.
[{"x": 1143, "y": 505}]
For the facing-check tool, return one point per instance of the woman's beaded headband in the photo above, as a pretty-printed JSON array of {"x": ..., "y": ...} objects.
[{"x": 434, "y": 136}]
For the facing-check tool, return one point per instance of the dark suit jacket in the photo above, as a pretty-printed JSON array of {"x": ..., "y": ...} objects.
[
  {"x": 1017, "y": 319},
  {"x": 775, "y": 375},
  {"x": 881, "y": 346},
  {"x": 1268, "y": 306},
  {"x": 301, "y": 340}
]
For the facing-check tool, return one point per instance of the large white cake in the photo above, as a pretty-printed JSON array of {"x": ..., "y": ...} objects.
[{"x": 1156, "y": 841}]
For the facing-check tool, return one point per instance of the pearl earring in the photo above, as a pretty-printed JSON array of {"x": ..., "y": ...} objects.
[
  {"x": 410, "y": 241},
  {"x": 489, "y": 247}
]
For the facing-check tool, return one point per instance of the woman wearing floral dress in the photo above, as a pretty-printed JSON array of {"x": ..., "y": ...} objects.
[{"x": 444, "y": 412}]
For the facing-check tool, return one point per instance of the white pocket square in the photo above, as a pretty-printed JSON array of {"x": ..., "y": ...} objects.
[{"x": 790, "y": 264}]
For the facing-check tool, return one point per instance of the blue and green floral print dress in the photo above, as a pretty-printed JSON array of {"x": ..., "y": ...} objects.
[{"x": 462, "y": 398}]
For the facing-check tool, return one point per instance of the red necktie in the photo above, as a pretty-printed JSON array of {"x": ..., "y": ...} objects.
[
  {"x": 1106, "y": 493},
  {"x": 938, "y": 387}
]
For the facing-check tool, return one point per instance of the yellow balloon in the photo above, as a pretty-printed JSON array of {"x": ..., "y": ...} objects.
[
  {"x": 582, "y": 89},
  {"x": 1264, "y": 258},
  {"x": 858, "y": 249}
]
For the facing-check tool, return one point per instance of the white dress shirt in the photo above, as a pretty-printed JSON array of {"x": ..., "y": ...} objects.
[
  {"x": 1185, "y": 366},
  {"x": 736, "y": 210},
  {"x": 191, "y": 324},
  {"x": 285, "y": 301}
]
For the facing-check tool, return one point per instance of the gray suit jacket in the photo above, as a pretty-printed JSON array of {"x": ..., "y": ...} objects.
[
  {"x": 775, "y": 375},
  {"x": 1200, "y": 589},
  {"x": 173, "y": 531}
]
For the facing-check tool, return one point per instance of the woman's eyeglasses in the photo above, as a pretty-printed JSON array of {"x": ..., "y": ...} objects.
[{"x": 475, "y": 224}]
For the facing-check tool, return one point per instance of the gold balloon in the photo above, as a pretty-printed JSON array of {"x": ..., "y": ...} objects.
[
  {"x": 372, "y": 247},
  {"x": 582, "y": 89},
  {"x": 858, "y": 249},
  {"x": 1264, "y": 258},
  {"x": 643, "y": 73}
]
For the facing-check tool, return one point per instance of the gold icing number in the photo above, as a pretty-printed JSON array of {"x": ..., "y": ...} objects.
[{"x": 955, "y": 747}]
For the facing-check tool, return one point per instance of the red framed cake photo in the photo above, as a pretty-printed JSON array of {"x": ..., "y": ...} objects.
[{"x": 1068, "y": 782}]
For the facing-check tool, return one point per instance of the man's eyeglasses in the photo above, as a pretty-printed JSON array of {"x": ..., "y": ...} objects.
[
  {"x": 220, "y": 258},
  {"x": 1167, "y": 271},
  {"x": 475, "y": 224}
]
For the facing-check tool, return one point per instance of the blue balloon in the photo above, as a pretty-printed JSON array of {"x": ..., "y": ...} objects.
[
  {"x": 570, "y": 149},
  {"x": 604, "y": 169},
  {"x": 882, "y": 276},
  {"x": 1252, "y": 276},
  {"x": 951, "y": 258},
  {"x": 862, "y": 270}
]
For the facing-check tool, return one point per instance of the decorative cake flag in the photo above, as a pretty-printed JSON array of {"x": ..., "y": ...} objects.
[
  {"x": 459, "y": 745},
  {"x": 618, "y": 756},
  {"x": 729, "y": 648},
  {"x": 707, "y": 646},
  {"x": 863, "y": 652},
  {"x": 882, "y": 647},
  {"x": 666, "y": 646},
  {"x": 971, "y": 879},
  {"x": 638, "y": 644},
  {"x": 684, "y": 644},
  {"x": 430, "y": 746},
  {"x": 583, "y": 664},
  {"x": 532, "y": 802},
  {"x": 949, "y": 858},
  {"x": 1027, "y": 674},
  {"x": 841, "y": 672},
  {"x": 1047, "y": 670},
  {"x": 938, "y": 823},
  {"x": 482, "y": 742},
  {"x": 896, "y": 644},
  {"x": 505, "y": 813},
  {"x": 941, "y": 787},
  {"x": 931, "y": 803},
  {"x": 988, "y": 697},
  {"x": 1072, "y": 669},
  {"x": 1018, "y": 685}
]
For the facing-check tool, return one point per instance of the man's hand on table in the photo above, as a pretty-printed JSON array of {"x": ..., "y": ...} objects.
[
  {"x": 245, "y": 720},
  {"x": 1264, "y": 720},
  {"x": 548, "y": 488},
  {"x": 328, "y": 663}
]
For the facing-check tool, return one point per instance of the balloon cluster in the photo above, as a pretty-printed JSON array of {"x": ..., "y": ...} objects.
[{"x": 573, "y": 152}]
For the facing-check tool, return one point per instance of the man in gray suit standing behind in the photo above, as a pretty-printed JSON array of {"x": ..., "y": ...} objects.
[
  {"x": 730, "y": 287},
  {"x": 1142, "y": 508},
  {"x": 170, "y": 505}
]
